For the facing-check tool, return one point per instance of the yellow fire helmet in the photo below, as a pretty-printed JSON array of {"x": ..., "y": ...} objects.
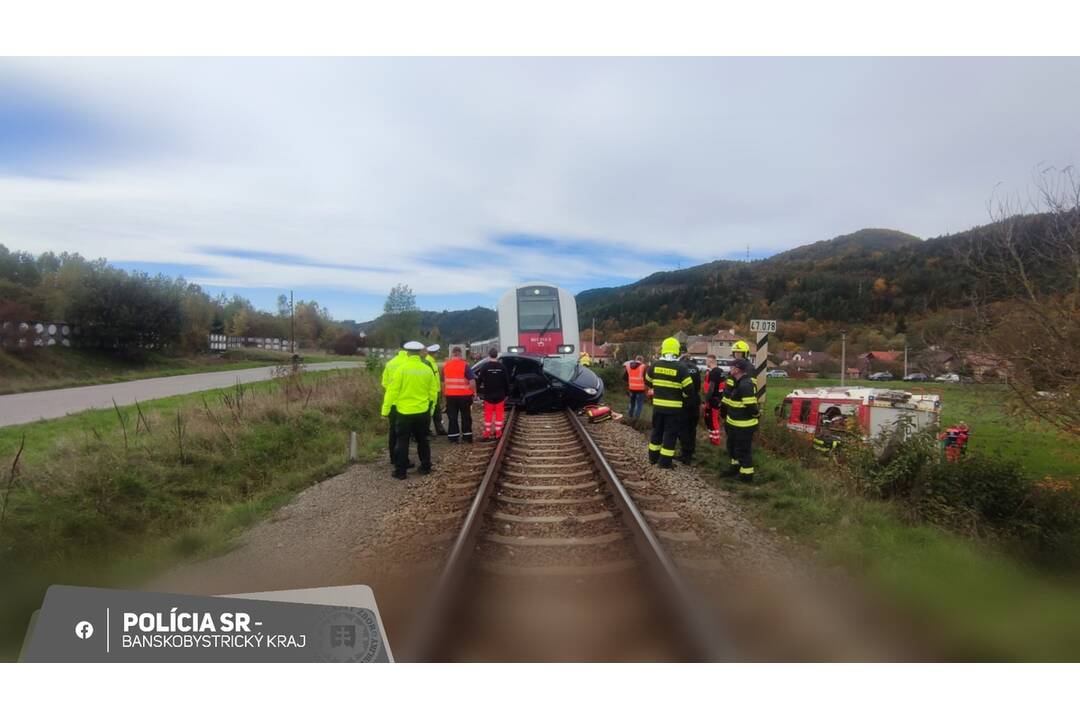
[
  {"x": 670, "y": 347},
  {"x": 740, "y": 346}
]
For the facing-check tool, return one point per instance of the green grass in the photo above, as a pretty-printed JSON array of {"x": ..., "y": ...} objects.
[
  {"x": 90, "y": 509},
  {"x": 967, "y": 598},
  {"x": 55, "y": 368},
  {"x": 971, "y": 601}
]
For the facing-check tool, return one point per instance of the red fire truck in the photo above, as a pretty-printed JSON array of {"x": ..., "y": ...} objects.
[{"x": 827, "y": 412}]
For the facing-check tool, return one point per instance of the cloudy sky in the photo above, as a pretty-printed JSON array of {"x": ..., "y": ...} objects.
[{"x": 340, "y": 178}]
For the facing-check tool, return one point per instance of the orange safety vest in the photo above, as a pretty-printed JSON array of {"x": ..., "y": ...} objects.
[
  {"x": 454, "y": 374},
  {"x": 636, "y": 378}
]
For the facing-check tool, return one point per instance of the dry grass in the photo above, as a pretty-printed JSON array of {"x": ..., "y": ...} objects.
[{"x": 148, "y": 484}]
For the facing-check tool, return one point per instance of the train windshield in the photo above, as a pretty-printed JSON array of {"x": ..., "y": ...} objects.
[
  {"x": 538, "y": 310},
  {"x": 562, "y": 366}
]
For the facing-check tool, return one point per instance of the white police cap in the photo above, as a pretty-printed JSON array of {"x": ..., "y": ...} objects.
[
  {"x": 434, "y": 348},
  {"x": 413, "y": 345}
]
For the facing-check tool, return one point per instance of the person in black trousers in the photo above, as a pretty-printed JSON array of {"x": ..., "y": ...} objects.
[{"x": 691, "y": 412}]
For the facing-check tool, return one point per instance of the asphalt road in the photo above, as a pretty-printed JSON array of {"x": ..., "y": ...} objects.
[{"x": 30, "y": 406}]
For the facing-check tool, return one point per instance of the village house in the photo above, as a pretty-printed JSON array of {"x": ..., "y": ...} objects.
[
  {"x": 876, "y": 360},
  {"x": 602, "y": 355},
  {"x": 800, "y": 360},
  {"x": 718, "y": 344}
]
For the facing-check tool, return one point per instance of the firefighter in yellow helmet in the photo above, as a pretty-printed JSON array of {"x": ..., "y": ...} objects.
[
  {"x": 739, "y": 350},
  {"x": 670, "y": 382},
  {"x": 740, "y": 409}
]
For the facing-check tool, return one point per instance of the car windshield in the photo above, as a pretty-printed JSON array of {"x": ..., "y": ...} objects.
[{"x": 562, "y": 366}]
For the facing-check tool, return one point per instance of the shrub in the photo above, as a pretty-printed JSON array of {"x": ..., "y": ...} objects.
[
  {"x": 614, "y": 381},
  {"x": 979, "y": 495},
  {"x": 347, "y": 344}
]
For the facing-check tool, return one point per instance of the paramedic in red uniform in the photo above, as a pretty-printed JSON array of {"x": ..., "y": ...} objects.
[
  {"x": 635, "y": 385},
  {"x": 712, "y": 390},
  {"x": 493, "y": 386},
  {"x": 459, "y": 386}
]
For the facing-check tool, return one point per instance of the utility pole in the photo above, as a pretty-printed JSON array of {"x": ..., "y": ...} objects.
[
  {"x": 843, "y": 358},
  {"x": 292, "y": 324},
  {"x": 905, "y": 361},
  {"x": 593, "y": 338}
]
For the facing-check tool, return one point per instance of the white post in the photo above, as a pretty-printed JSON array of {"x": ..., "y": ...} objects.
[{"x": 352, "y": 446}]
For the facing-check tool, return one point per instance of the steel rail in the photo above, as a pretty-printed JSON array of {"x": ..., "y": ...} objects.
[
  {"x": 701, "y": 630},
  {"x": 432, "y": 618}
]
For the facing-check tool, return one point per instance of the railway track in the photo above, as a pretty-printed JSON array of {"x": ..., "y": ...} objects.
[{"x": 555, "y": 559}]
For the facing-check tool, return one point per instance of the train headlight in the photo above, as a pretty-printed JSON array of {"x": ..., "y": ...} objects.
[
  {"x": 516, "y": 349},
  {"x": 566, "y": 349}
]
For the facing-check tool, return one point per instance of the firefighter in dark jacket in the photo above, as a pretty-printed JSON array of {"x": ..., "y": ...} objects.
[
  {"x": 691, "y": 411},
  {"x": 739, "y": 407},
  {"x": 670, "y": 382}
]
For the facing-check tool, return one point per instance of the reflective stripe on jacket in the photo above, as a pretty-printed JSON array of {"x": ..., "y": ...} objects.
[
  {"x": 740, "y": 405},
  {"x": 670, "y": 382},
  {"x": 413, "y": 387},
  {"x": 455, "y": 373}
]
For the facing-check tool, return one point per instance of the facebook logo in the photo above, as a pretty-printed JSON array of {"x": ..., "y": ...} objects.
[{"x": 84, "y": 630}]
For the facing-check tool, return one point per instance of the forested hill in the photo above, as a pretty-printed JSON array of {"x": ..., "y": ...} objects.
[
  {"x": 868, "y": 275},
  {"x": 860, "y": 241},
  {"x": 451, "y": 325}
]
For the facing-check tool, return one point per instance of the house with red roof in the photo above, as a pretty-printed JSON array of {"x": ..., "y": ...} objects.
[{"x": 876, "y": 360}]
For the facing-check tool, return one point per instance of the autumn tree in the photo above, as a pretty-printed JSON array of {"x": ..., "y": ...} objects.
[{"x": 1024, "y": 308}]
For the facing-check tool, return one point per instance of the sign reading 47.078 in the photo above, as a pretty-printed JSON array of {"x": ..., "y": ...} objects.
[{"x": 763, "y": 326}]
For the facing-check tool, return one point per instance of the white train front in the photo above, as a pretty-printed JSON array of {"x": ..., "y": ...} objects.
[{"x": 540, "y": 319}]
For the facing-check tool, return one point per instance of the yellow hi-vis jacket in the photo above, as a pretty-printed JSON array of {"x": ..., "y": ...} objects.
[
  {"x": 388, "y": 369},
  {"x": 430, "y": 359},
  {"x": 412, "y": 389}
]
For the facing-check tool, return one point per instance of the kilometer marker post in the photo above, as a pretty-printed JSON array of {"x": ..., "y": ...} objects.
[{"x": 763, "y": 328}]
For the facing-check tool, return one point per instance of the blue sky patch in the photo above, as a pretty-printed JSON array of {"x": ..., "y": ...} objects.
[
  {"x": 170, "y": 269},
  {"x": 578, "y": 248},
  {"x": 36, "y": 131},
  {"x": 284, "y": 259}
]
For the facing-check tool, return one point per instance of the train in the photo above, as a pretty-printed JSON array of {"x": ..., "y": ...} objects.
[
  {"x": 540, "y": 346},
  {"x": 539, "y": 319}
]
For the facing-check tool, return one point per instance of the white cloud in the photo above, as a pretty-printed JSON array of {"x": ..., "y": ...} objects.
[{"x": 377, "y": 162}]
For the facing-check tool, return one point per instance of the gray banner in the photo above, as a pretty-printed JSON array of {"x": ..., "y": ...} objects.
[{"x": 80, "y": 624}]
